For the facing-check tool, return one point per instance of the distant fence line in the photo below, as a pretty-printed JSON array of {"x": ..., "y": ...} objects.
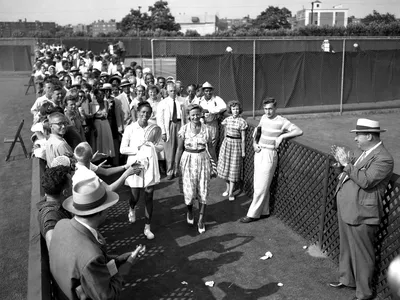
[{"x": 295, "y": 71}]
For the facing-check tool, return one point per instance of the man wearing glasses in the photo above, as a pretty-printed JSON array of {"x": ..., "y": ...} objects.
[{"x": 56, "y": 145}]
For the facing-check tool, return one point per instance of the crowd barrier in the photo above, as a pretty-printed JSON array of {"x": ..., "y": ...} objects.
[{"x": 302, "y": 197}]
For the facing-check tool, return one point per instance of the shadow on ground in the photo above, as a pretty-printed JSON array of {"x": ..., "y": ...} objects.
[{"x": 179, "y": 261}]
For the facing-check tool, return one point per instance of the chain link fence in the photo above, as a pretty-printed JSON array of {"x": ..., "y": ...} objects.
[{"x": 299, "y": 73}]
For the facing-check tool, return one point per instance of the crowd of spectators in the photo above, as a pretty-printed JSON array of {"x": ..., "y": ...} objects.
[{"x": 95, "y": 116}]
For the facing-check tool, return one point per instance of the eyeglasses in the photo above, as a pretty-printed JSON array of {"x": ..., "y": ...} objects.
[{"x": 60, "y": 124}]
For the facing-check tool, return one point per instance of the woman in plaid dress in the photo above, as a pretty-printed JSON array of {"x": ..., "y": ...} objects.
[
  {"x": 193, "y": 163},
  {"x": 232, "y": 149}
]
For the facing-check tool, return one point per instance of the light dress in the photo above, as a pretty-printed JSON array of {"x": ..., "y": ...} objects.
[
  {"x": 195, "y": 167},
  {"x": 132, "y": 140}
]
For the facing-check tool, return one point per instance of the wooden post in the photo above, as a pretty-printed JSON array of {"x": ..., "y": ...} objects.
[{"x": 324, "y": 201}]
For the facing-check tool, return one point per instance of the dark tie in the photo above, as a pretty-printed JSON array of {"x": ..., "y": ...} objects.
[
  {"x": 129, "y": 99},
  {"x": 174, "y": 117}
]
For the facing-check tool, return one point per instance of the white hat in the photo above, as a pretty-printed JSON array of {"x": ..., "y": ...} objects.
[
  {"x": 207, "y": 85},
  {"x": 61, "y": 160},
  {"x": 146, "y": 70},
  {"x": 106, "y": 86},
  {"x": 366, "y": 125},
  {"x": 89, "y": 196}
]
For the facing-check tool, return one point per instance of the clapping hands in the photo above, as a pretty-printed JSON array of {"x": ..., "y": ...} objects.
[{"x": 342, "y": 156}]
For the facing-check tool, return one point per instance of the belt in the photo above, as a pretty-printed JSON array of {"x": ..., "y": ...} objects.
[
  {"x": 178, "y": 120},
  {"x": 102, "y": 118},
  {"x": 195, "y": 151},
  {"x": 234, "y": 137}
]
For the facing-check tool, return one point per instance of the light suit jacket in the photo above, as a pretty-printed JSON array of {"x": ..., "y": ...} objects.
[
  {"x": 359, "y": 197},
  {"x": 77, "y": 258},
  {"x": 164, "y": 114},
  {"x": 122, "y": 111}
]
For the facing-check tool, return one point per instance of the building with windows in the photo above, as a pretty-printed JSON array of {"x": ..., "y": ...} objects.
[
  {"x": 25, "y": 28},
  {"x": 104, "y": 27},
  {"x": 320, "y": 15},
  {"x": 81, "y": 28}
]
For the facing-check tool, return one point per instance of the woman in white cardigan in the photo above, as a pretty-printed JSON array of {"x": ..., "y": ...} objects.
[{"x": 141, "y": 143}]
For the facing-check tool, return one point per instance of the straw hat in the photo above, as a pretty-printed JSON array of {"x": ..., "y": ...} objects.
[
  {"x": 89, "y": 196},
  {"x": 106, "y": 86},
  {"x": 207, "y": 85},
  {"x": 125, "y": 82},
  {"x": 366, "y": 125}
]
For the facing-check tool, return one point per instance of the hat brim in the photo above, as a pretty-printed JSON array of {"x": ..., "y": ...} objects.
[
  {"x": 368, "y": 130},
  {"x": 207, "y": 87},
  {"x": 125, "y": 84},
  {"x": 112, "y": 198}
]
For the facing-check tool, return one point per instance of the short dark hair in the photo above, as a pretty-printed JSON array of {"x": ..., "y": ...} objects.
[
  {"x": 269, "y": 100},
  {"x": 234, "y": 103},
  {"x": 54, "y": 179},
  {"x": 144, "y": 104},
  {"x": 191, "y": 107}
]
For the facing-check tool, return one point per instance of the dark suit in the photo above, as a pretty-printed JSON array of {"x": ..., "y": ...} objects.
[
  {"x": 359, "y": 200},
  {"x": 77, "y": 258}
]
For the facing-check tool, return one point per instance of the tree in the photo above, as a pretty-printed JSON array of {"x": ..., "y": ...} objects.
[
  {"x": 378, "y": 18},
  {"x": 159, "y": 17},
  {"x": 273, "y": 18},
  {"x": 162, "y": 18},
  {"x": 135, "y": 20}
]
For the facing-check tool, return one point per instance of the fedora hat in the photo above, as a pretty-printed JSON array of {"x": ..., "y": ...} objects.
[
  {"x": 106, "y": 86},
  {"x": 207, "y": 85},
  {"x": 89, "y": 196},
  {"x": 125, "y": 82},
  {"x": 366, "y": 125},
  {"x": 103, "y": 74}
]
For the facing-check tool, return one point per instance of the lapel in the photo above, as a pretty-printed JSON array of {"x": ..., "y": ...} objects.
[
  {"x": 361, "y": 164},
  {"x": 82, "y": 229},
  {"x": 367, "y": 158}
]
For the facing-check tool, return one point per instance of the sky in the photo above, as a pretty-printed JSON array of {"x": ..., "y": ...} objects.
[{"x": 86, "y": 11}]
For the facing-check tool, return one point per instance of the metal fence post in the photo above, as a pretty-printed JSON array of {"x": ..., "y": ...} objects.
[
  {"x": 324, "y": 201},
  {"x": 342, "y": 80},
  {"x": 152, "y": 56},
  {"x": 254, "y": 79}
]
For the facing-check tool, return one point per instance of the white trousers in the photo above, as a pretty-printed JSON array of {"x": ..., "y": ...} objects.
[{"x": 265, "y": 163}]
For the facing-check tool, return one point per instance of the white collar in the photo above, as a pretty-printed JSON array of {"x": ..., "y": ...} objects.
[
  {"x": 91, "y": 229},
  {"x": 373, "y": 148}
]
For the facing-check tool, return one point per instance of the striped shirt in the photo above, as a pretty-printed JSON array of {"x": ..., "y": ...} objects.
[{"x": 272, "y": 128}]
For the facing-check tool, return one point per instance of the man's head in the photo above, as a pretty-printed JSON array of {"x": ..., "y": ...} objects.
[
  {"x": 207, "y": 90},
  {"x": 149, "y": 79},
  {"x": 367, "y": 133},
  {"x": 67, "y": 81},
  {"x": 161, "y": 82},
  {"x": 56, "y": 181},
  {"x": 83, "y": 153},
  {"x": 58, "y": 123},
  {"x": 90, "y": 200},
  {"x": 171, "y": 89},
  {"x": 57, "y": 95},
  {"x": 269, "y": 105},
  {"x": 48, "y": 89}
]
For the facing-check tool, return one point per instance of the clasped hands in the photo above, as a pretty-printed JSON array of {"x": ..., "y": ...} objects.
[{"x": 341, "y": 156}]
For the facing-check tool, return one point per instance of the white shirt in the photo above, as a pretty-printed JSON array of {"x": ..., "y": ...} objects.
[
  {"x": 178, "y": 103},
  {"x": 83, "y": 173},
  {"x": 214, "y": 105}
]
